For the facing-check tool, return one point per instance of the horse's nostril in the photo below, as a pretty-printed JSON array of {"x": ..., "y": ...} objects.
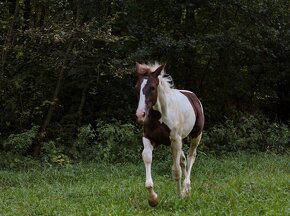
[{"x": 140, "y": 114}]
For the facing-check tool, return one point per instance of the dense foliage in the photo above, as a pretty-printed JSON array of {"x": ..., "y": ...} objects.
[{"x": 69, "y": 64}]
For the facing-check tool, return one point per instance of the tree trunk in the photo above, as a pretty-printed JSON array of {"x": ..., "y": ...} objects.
[
  {"x": 26, "y": 15},
  {"x": 42, "y": 16},
  {"x": 190, "y": 21},
  {"x": 204, "y": 74},
  {"x": 13, "y": 5},
  {"x": 190, "y": 51},
  {"x": 283, "y": 101},
  {"x": 82, "y": 103},
  {"x": 36, "y": 148}
]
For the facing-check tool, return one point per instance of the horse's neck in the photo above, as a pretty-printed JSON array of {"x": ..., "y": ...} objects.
[{"x": 164, "y": 104}]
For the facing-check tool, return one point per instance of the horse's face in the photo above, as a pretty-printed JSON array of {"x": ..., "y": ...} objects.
[
  {"x": 147, "y": 91},
  {"x": 150, "y": 92}
]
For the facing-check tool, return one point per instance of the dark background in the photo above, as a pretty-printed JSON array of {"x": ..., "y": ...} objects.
[{"x": 66, "y": 64}]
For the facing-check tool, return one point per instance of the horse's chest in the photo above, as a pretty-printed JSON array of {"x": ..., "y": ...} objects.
[{"x": 158, "y": 133}]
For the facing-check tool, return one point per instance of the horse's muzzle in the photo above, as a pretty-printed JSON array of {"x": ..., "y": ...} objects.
[
  {"x": 140, "y": 118},
  {"x": 141, "y": 121}
]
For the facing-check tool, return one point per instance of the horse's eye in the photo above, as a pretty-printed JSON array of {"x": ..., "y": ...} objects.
[{"x": 152, "y": 88}]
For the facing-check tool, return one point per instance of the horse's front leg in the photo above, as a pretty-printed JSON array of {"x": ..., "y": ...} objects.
[
  {"x": 147, "y": 158},
  {"x": 176, "y": 147}
]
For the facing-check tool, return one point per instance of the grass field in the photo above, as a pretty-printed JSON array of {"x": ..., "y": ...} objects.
[{"x": 244, "y": 184}]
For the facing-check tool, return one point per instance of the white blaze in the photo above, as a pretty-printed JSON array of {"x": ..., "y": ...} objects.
[{"x": 141, "y": 105}]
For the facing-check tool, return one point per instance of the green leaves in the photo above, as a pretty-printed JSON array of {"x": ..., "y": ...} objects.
[
  {"x": 19, "y": 143},
  {"x": 247, "y": 132},
  {"x": 233, "y": 54}
]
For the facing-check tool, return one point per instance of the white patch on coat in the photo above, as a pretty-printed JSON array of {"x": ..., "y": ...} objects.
[
  {"x": 176, "y": 110},
  {"x": 177, "y": 113},
  {"x": 141, "y": 104}
]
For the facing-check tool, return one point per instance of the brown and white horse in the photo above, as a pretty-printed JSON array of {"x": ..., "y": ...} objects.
[{"x": 168, "y": 116}]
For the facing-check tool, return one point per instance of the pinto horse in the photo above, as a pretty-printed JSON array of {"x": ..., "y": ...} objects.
[{"x": 168, "y": 116}]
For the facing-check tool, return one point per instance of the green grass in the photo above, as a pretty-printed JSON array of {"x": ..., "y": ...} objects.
[{"x": 244, "y": 184}]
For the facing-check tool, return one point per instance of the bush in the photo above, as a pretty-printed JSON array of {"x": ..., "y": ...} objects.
[
  {"x": 14, "y": 149},
  {"x": 84, "y": 147},
  {"x": 247, "y": 132},
  {"x": 19, "y": 143},
  {"x": 110, "y": 142},
  {"x": 65, "y": 151},
  {"x": 118, "y": 142},
  {"x": 54, "y": 154},
  {"x": 18, "y": 161}
]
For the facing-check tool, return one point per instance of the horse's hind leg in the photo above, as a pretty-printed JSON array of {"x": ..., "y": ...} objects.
[
  {"x": 183, "y": 164},
  {"x": 147, "y": 158},
  {"x": 190, "y": 161}
]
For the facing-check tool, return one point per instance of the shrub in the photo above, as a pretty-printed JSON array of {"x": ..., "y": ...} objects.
[
  {"x": 18, "y": 161},
  {"x": 14, "y": 149},
  {"x": 53, "y": 154},
  {"x": 118, "y": 142},
  {"x": 84, "y": 147},
  {"x": 19, "y": 143},
  {"x": 110, "y": 142},
  {"x": 247, "y": 132}
]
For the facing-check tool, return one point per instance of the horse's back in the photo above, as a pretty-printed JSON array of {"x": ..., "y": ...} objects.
[{"x": 180, "y": 117}]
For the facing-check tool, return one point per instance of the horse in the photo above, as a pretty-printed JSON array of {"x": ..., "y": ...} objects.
[{"x": 168, "y": 115}]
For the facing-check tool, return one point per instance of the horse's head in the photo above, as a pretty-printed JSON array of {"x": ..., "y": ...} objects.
[{"x": 146, "y": 88}]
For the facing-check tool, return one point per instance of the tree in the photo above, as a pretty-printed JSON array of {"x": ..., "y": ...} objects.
[{"x": 69, "y": 63}]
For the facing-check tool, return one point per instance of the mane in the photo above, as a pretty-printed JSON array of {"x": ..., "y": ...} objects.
[
  {"x": 165, "y": 80},
  {"x": 165, "y": 89}
]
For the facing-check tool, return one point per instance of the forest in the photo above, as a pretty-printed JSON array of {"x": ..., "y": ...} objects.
[{"x": 67, "y": 74}]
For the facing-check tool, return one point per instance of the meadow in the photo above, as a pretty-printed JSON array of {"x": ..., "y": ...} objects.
[{"x": 241, "y": 184}]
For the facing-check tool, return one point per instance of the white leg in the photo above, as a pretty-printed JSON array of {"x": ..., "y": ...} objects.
[
  {"x": 147, "y": 158},
  {"x": 176, "y": 145},
  {"x": 190, "y": 161}
]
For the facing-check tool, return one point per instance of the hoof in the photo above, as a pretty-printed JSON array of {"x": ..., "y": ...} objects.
[
  {"x": 186, "y": 190},
  {"x": 185, "y": 194},
  {"x": 153, "y": 201}
]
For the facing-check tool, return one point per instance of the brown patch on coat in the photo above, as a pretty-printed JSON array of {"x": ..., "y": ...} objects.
[
  {"x": 196, "y": 105},
  {"x": 158, "y": 133},
  {"x": 138, "y": 84}
]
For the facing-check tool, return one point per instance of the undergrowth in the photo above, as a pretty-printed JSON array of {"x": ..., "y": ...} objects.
[{"x": 116, "y": 142}]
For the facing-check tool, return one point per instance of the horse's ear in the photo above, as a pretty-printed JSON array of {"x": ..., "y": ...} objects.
[
  {"x": 158, "y": 71},
  {"x": 142, "y": 69}
]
